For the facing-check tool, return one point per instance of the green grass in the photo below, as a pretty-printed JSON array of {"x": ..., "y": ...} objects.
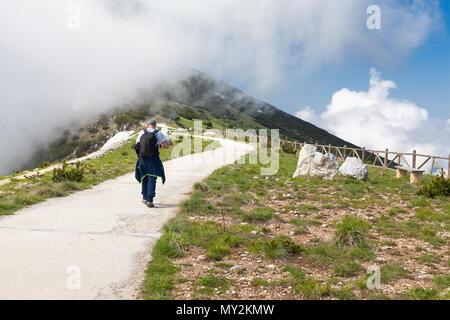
[
  {"x": 391, "y": 273},
  {"x": 300, "y": 283},
  {"x": 442, "y": 281},
  {"x": 420, "y": 293},
  {"x": 395, "y": 211},
  {"x": 347, "y": 269},
  {"x": 258, "y": 215},
  {"x": 209, "y": 284},
  {"x": 428, "y": 214}
]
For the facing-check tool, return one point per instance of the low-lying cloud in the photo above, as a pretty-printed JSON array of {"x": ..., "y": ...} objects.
[
  {"x": 51, "y": 74},
  {"x": 375, "y": 120}
]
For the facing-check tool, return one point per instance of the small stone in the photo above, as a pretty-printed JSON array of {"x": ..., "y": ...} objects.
[
  {"x": 271, "y": 266},
  {"x": 236, "y": 267}
]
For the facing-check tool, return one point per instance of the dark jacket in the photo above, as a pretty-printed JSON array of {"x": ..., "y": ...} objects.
[{"x": 146, "y": 166}]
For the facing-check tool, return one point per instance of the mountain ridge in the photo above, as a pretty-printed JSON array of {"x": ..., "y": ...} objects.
[{"x": 191, "y": 95}]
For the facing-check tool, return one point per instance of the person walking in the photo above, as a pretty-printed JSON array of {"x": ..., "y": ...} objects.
[{"x": 149, "y": 166}]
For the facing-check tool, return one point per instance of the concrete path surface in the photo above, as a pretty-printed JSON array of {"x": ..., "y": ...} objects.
[{"x": 95, "y": 244}]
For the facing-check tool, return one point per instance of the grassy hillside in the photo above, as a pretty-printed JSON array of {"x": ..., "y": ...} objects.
[{"x": 243, "y": 236}]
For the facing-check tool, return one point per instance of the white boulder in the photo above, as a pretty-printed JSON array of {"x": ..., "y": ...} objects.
[
  {"x": 313, "y": 163},
  {"x": 304, "y": 160},
  {"x": 353, "y": 167}
]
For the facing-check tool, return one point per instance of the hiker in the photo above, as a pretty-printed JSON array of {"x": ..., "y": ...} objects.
[{"x": 149, "y": 166}]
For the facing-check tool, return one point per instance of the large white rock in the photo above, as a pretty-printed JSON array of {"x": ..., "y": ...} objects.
[
  {"x": 304, "y": 160},
  {"x": 353, "y": 167},
  {"x": 313, "y": 163}
]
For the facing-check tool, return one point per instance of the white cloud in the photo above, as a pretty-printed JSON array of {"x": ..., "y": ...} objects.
[
  {"x": 50, "y": 74},
  {"x": 307, "y": 114},
  {"x": 374, "y": 120}
]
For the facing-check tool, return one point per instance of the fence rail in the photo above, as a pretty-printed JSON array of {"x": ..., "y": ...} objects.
[
  {"x": 382, "y": 158},
  {"x": 385, "y": 159}
]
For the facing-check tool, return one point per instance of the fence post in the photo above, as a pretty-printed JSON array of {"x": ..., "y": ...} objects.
[
  {"x": 448, "y": 169},
  {"x": 386, "y": 155},
  {"x": 414, "y": 159},
  {"x": 345, "y": 152},
  {"x": 329, "y": 148},
  {"x": 363, "y": 154}
]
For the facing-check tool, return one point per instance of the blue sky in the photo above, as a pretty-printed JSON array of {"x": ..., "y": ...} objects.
[{"x": 422, "y": 76}]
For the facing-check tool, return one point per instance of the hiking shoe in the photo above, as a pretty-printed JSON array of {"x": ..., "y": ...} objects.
[
  {"x": 150, "y": 205},
  {"x": 144, "y": 201}
]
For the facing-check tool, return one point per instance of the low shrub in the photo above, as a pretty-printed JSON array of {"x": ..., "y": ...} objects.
[
  {"x": 44, "y": 164},
  {"x": 69, "y": 172},
  {"x": 351, "y": 231},
  {"x": 280, "y": 247},
  {"x": 438, "y": 186}
]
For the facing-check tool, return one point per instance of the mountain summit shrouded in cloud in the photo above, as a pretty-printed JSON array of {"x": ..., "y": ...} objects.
[
  {"x": 51, "y": 74},
  {"x": 375, "y": 120}
]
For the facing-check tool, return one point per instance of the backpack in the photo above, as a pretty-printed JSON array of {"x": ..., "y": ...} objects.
[{"x": 148, "y": 144}]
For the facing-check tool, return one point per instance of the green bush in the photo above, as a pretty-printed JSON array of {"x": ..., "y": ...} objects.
[
  {"x": 351, "y": 231},
  {"x": 274, "y": 249},
  {"x": 83, "y": 147},
  {"x": 44, "y": 164},
  {"x": 125, "y": 119},
  {"x": 280, "y": 247},
  {"x": 69, "y": 173},
  {"x": 92, "y": 130},
  {"x": 438, "y": 186}
]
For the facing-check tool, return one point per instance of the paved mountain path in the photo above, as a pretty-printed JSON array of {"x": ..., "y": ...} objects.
[{"x": 102, "y": 236}]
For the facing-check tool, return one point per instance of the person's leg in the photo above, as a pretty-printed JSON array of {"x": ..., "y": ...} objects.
[
  {"x": 151, "y": 189},
  {"x": 145, "y": 188}
]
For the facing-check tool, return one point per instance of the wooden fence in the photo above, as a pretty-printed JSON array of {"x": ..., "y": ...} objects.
[{"x": 382, "y": 158}]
